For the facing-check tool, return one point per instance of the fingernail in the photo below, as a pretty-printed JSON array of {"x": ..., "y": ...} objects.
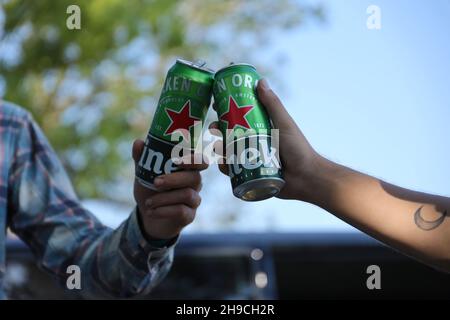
[
  {"x": 264, "y": 84},
  {"x": 148, "y": 202},
  {"x": 158, "y": 182}
]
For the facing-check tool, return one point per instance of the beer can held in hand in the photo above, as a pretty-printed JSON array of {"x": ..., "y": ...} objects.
[{"x": 183, "y": 105}]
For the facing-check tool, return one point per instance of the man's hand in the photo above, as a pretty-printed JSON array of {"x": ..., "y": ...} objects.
[{"x": 165, "y": 213}]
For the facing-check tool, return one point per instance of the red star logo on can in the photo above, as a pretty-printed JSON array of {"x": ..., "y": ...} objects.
[{"x": 236, "y": 115}]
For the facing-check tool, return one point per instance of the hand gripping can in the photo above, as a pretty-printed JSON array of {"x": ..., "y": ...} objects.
[
  {"x": 183, "y": 104},
  {"x": 253, "y": 161}
]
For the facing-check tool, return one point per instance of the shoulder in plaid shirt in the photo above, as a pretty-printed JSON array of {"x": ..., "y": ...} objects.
[{"x": 38, "y": 203}]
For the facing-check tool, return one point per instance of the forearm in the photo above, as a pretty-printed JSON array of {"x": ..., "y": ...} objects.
[{"x": 412, "y": 222}]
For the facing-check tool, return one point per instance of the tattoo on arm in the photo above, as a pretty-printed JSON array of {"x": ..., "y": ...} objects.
[{"x": 428, "y": 224}]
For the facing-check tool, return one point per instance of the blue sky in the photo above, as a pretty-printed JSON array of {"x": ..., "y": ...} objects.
[{"x": 375, "y": 100}]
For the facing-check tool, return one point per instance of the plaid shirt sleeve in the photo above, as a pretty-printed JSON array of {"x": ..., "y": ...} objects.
[{"x": 46, "y": 214}]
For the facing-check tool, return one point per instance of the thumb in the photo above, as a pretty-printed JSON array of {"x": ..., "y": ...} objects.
[
  {"x": 275, "y": 108},
  {"x": 138, "y": 147}
]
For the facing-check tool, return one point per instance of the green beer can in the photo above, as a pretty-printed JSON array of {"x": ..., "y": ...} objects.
[
  {"x": 182, "y": 106},
  {"x": 252, "y": 158}
]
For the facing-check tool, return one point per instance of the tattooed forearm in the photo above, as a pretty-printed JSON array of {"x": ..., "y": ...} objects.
[{"x": 428, "y": 224}]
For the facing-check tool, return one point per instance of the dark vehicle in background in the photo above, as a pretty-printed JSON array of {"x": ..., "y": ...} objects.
[{"x": 262, "y": 266}]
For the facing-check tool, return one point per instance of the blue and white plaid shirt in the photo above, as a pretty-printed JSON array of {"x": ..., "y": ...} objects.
[{"x": 38, "y": 203}]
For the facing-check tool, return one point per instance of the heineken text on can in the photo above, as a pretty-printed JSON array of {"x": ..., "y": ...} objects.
[
  {"x": 253, "y": 163},
  {"x": 183, "y": 104}
]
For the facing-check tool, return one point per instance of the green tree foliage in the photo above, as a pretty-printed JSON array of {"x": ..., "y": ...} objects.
[{"x": 94, "y": 90}]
